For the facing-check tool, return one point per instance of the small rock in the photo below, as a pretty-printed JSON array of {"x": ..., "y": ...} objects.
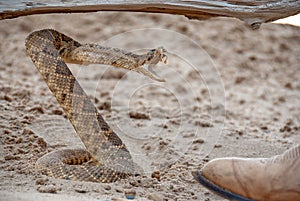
[
  {"x": 134, "y": 183},
  {"x": 37, "y": 109},
  {"x": 48, "y": 189},
  {"x": 206, "y": 193},
  {"x": 242, "y": 102},
  {"x": 240, "y": 132},
  {"x": 148, "y": 147},
  {"x": 154, "y": 197},
  {"x": 187, "y": 135},
  {"x": 218, "y": 145},
  {"x": 264, "y": 127},
  {"x": 41, "y": 181},
  {"x": 239, "y": 79},
  {"x": 198, "y": 141},
  {"x": 156, "y": 175},
  {"x": 203, "y": 124},
  {"x": 5, "y": 131},
  {"x": 138, "y": 115},
  {"x": 288, "y": 85},
  {"x": 80, "y": 189},
  {"x": 106, "y": 187},
  {"x": 118, "y": 190},
  {"x": 281, "y": 99},
  {"x": 105, "y": 106},
  {"x": 7, "y": 98},
  {"x": 130, "y": 194},
  {"x": 115, "y": 199},
  {"x": 57, "y": 112}
]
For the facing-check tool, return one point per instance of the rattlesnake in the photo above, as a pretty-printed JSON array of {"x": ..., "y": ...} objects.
[{"x": 106, "y": 158}]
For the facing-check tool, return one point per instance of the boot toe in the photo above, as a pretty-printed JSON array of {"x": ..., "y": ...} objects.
[
  {"x": 220, "y": 176},
  {"x": 221, "y": 172}
]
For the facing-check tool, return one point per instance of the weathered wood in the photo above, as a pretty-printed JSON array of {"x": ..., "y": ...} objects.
[{"x": 252, "y": 12}]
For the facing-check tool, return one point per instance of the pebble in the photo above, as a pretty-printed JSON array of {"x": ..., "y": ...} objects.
[
  {"x": 57, "y": 112},
  {"x": 138, "y": 115},
  {"x": 203, "y": 124},
  {"x": 37, "y": 109},
  {"x": 206, "y": 193},
  {"x": 48, "y": 189},
  {"x": 156, "y": 175},
  {"x": 41, "y": 181},
  {"x": 107, "y": 187},
  {"x": 198, "y": 141},
  {"x": 118, "y": 190},
  {"x": 80, "y": 189},
  {"x": 154, "y": 197},
  {"x": 7, "y": 98},
  {"x": 264, "y": 127},
  {"x": 115, "y": 199},
  {"x": 134, "y": 183}
]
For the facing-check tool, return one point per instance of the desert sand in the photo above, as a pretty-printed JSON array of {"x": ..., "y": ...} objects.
[{"x": 229, "y": 91}]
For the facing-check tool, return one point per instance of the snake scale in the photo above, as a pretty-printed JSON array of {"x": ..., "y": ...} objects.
[{"x": 106, "y": 158}]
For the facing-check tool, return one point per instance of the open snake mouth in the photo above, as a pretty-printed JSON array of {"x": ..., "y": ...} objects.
[{"x": 156, "y": 55}]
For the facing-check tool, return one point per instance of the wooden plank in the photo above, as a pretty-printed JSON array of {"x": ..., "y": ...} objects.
[{"x": 252, "y": 12}]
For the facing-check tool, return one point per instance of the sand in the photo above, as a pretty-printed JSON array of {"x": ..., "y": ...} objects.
[{"x": 229, "y": 91}]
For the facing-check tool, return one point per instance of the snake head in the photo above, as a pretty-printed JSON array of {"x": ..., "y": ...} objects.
[
  {"x": 152, "y": 58},
  {"x": 157, "y": 55}
]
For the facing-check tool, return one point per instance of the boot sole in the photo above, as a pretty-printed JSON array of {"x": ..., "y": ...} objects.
[{"x": 216, "y": 189}]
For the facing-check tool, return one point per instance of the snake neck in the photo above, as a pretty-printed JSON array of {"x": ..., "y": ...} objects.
[
  {"x": 96, "y": 54},
  {"x": 72, "y": 51}
]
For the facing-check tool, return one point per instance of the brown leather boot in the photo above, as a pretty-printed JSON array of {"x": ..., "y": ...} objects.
[{"x": 260, "y": 179}]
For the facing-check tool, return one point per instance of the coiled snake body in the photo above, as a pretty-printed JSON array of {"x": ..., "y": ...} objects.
[{"x": 106, "y": 158}]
